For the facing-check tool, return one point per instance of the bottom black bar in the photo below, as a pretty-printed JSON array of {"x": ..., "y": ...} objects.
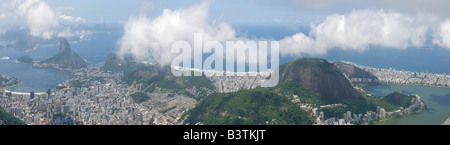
[{"x": 227, "y": 134}]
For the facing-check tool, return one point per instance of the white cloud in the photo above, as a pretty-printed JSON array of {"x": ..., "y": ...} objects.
[
  {"x": 36, "y": 15},
  {"x": 145, "y": 38},
  {"x": 72, "y": 19},
  {"x": 68, "y": 33},
  {"x": 442, "y": 36},
  {"x": 22, "y": 8},
  {"x": 152, "y": 38},
  {"x": 41, "y": 20},
  {"x": 357, "y": 31}
]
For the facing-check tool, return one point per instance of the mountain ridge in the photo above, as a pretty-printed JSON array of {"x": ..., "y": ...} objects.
[{"x": 321, "y": 76}]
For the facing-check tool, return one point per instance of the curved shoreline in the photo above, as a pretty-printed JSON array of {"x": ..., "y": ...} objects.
[
  {"x": 24, "y": 93},
  {"x": 432, "y": 116},
  {"x": 14, "y": 85},
  {"x": 389, "y": 76}
]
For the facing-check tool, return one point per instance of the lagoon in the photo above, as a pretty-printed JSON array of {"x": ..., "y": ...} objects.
[{"x": 436, "y": 99}]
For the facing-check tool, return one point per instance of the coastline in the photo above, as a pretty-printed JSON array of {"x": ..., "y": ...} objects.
[
  {"x": 391, "y": 76},
  {"x": 437, "y": 106},
  {"x": 48, "y": 65},
  {"x": 398, "y": 80},
  {"x": 45, "y": 78},
  {"x": 13, "y": 85}
]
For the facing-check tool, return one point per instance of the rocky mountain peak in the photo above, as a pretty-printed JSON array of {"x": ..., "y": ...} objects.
[{"x": 64, "y": 45}]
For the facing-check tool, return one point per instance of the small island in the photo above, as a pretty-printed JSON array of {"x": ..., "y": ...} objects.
[{"x": 26, "y": 60}]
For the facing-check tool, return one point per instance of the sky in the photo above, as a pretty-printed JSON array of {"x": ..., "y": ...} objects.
[
  {"x": 151, "y": 26},
  {"x": 242, "y": 11}
]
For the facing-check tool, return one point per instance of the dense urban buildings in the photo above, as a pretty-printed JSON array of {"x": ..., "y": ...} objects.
[
  {"x": 401, "y": 77},
  {"x": 100, "y": 100},
  {"x": 95, "y": 97}
]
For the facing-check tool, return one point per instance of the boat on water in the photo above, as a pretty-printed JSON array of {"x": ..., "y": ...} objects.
[{"x": 4, "y": 58}]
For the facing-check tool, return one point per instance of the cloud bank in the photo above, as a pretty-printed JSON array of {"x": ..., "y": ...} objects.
[
  {"x": 41, "y": 20},
  {"x": 35, "y": 15},
  {"x": 152, "y": 38},
  {"x": 71, "y": 19},
  {"x": 357, "y": 31},
  {"x": 442, "y": 34}
]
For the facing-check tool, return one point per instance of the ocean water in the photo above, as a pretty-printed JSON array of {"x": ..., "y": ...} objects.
[{"x": 96, "y": 49}]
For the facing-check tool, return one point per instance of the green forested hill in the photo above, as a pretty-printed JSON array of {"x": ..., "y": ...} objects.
[
  {"x": 314, "y": 81},
  {"x": 9, "y": 119},
  {"x": 256, "y": 106},
  {"x": 321, "y": 76},
  {"x": 112, "y": 63},
  {"x": 158, "y": 79},
  {"x": 25, "y": 59},
  {"x": 67, "y": 60},
  {"x": 300, "y": 76}
]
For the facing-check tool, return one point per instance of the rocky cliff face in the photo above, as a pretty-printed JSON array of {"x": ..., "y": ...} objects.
[
  {"x": 354, "y": 73},
  {"x": 64, "y": 45},
  {"x": 321, "y": 76}
]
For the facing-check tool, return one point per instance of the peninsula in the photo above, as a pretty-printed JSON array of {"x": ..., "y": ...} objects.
[{"x": 64, "y": 60}]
